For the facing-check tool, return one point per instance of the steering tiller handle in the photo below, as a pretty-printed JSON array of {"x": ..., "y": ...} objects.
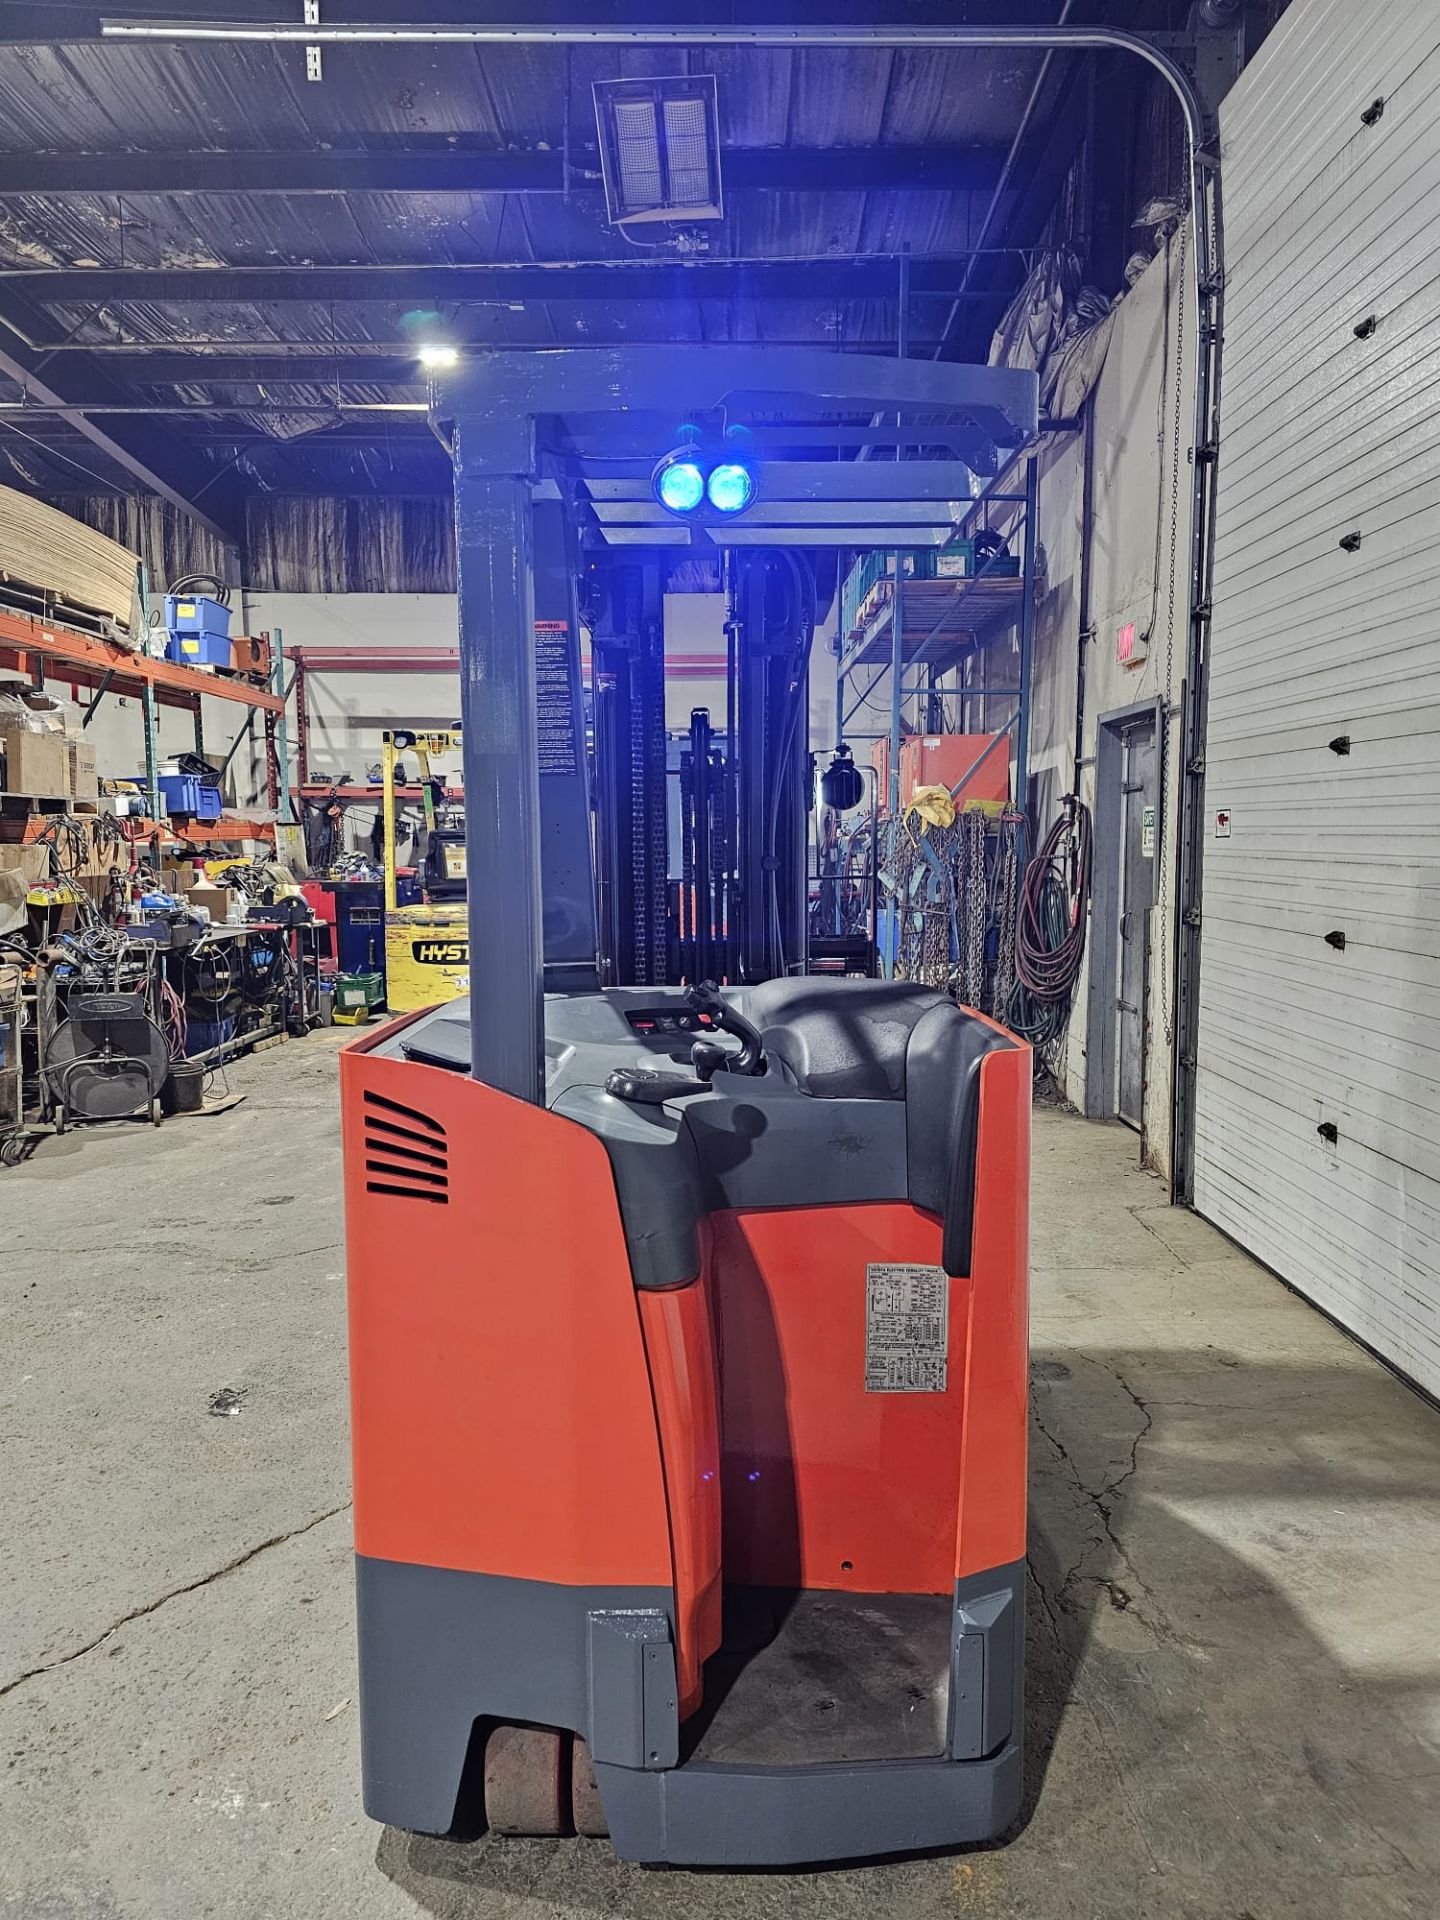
[{"x": 705, "y": 1056}]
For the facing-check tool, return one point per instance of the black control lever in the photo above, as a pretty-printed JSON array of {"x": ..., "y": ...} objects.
[
  {"x": 650, "y": 1086},
  {"x": 705, "y": 1056}
]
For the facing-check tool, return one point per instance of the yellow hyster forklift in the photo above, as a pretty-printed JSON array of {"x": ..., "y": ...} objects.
[
  {"x": 687, "y": 1289},
  {"x": 427, "y": 952}
]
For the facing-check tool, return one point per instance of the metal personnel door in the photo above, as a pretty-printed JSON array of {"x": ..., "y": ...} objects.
[
  {"x": 1317, "y": 1080},
  {"x": 1137, "y": 897},
  {"x": 1126, "y": 813}
]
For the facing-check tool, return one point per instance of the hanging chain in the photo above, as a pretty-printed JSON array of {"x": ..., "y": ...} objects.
[
  {"x": 1007, "y": 914},
  {"x": 974, "y": 913},
  {"x": 951, "y": 888},
  {"x": 938, "y": 911},
  {"x": 900, "y": 866},
  {"x": 690, "y": 934}
]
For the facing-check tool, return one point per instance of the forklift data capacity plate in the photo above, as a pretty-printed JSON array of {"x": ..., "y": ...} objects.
[{"x": 907, "y": 1328}]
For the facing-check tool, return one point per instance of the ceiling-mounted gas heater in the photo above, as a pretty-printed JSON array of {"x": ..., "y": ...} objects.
[{"x": 660, "y": 149}]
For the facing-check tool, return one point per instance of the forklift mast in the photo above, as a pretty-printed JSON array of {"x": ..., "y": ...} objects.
[
  {"x": 738, "y": 911},
  {"x": 771, "y": 628},
  {"x": 628, "y": 683}
]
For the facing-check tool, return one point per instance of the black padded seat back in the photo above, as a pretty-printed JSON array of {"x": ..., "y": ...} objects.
[
  {"x": 942, "y": 1121},
  {"x": 841, "y": 1039}
]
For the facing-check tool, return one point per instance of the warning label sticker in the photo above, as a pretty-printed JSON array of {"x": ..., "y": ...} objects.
[
  {"x": 907, "y": 1329},
  {"x": 554, "y": 697}
]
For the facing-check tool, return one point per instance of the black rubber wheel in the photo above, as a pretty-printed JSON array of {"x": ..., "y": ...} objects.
[
  {"x": 527, "y": 1781},
  {"x": 589, "y": 1814}
]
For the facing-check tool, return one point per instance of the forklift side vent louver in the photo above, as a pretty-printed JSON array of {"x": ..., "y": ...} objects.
[{"x": 405, "y": 1152}]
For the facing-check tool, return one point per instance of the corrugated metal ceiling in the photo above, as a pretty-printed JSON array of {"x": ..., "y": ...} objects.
[{"x": 254, "y": 98}]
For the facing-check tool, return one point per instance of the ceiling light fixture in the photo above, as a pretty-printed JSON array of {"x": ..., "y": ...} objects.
[{"x": 660, "y": 149}]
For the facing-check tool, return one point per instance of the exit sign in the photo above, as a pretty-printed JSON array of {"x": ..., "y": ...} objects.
[{"x": 1130, "y": 647}]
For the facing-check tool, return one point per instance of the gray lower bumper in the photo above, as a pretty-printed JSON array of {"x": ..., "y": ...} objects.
[
  {"x": 704, "y": 1816},
  {"x": 440, "y": 1650}
]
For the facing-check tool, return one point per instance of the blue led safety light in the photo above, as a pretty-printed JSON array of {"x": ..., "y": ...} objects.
[
  {"x": 693, "y": 480},
  {"x": 730, "y": 487},
  {"x": 680, "y": 487}
]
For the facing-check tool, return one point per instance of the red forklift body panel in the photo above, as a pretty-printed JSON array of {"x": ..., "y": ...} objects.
[
  {"x": 501, "y": 1403},
  {"x": 519, "y": 1409}
]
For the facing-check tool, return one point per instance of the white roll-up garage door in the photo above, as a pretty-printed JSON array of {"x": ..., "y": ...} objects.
[{"x": 1318, "y": 1084}]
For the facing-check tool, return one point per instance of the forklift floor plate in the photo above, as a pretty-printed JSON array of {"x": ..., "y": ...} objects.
[{"x": 815, "y": 1677}]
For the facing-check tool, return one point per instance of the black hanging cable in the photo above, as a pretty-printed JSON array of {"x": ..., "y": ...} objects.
[{"x": 1050, "y": 932}]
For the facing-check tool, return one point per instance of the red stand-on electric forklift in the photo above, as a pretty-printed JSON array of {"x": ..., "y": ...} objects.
[{"x": 688, "y": 1324}]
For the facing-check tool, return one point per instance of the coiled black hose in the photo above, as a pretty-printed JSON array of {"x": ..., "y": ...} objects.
[
  {"x": 1050, "y": 934},
  {"x": 209, "y": 584}
]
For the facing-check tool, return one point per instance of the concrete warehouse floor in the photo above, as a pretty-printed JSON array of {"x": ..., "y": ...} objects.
[{"x": 1235, "y": 1612}]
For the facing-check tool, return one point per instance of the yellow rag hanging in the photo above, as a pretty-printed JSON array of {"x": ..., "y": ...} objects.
[{"x": 932, "y": 806}]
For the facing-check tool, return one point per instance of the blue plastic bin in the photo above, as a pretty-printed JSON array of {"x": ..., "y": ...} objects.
[
  {"x": 197, "y": 631},
  {"x": 202, "y": 1035},
  {"x": 180, "y": 793},
  {"x": 199, "y": 650},
  {"x": 196, "y": 613}
]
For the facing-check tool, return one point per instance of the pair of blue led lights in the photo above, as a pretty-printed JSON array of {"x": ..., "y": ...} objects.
[{"x": 687, "y": 482}]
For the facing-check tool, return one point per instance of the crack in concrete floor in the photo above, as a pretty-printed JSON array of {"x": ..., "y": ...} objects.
[
  {"x": 175, "y": 1593},
  {"x": 1103, "y": 1502}
]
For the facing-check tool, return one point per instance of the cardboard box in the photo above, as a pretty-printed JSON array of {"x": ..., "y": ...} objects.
[
  {"x": 32, "y": 862},
  {"x": 219, "y": 901},
  {"x": 96, "y": 885},
  {"x": 35, "y": 763},
  {"x": 84, "y": 778}
]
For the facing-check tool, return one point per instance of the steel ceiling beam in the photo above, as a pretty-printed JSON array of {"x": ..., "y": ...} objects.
[
  {"x": 474, "y": 170},
  {"x": 301, "y": 366},
  {"x": 178, "y": 474},
  {"x": 814, "y": 280}
]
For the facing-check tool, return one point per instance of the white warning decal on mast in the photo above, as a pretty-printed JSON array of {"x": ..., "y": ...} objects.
[{"x": 907, "y": 1328}]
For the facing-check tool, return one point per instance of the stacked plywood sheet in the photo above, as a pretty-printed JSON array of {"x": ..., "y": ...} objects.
[{"x": 50, "y": 563}]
